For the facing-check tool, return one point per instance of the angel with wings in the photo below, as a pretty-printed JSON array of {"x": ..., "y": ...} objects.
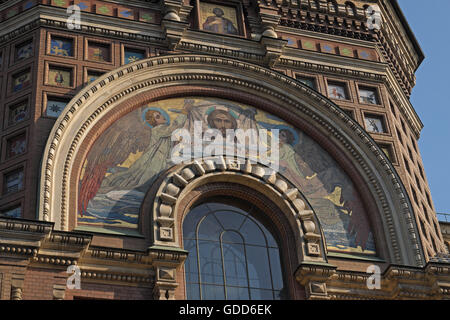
[{"x": 132, "y": 154}]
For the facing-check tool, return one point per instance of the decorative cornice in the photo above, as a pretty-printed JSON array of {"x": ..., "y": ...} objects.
[
  {"x": 175, "y": 35},
  {"x": 53, "y": 155}
]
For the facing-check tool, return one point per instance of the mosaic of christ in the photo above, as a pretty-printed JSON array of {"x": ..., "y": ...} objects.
[
  {"x": 133, "y": 152},
  {"x": 218, "y": 19}
]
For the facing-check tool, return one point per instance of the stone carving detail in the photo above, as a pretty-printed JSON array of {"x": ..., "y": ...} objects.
[
  {"x": 59, "y": 292},
  {"x": 58, "y": 159},
  {"x": 16, "y": 286},
  {"x": 172, "y": 189},
  {"x": 167, "y": 274}
]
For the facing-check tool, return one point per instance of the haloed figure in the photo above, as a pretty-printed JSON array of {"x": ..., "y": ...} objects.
[
  {"x": 222, "y": 121},
  {"x": 219, "y": 24},
  {"x": 154, "y": 159}
]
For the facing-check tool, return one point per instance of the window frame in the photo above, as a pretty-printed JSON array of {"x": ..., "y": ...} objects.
[{"x": 256, "y": 219}]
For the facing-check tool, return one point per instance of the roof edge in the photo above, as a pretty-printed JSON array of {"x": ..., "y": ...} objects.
[{"x": 409, "y": 31}]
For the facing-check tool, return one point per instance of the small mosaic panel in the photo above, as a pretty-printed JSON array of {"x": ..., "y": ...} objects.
[
  {"x": 93, "y": 75},
  {"x": 375, "y": 124},
  {"x": 132, "y": 55},
  {"x": 99, "y": 52},
  {"x": 327, "y": 48},
  {"x": 21, "y": 81},
  {"x": 125, "y": 13},
  {"x": 16, "y": 146},
  {"x": 60, "y": 77},
  {"x": 104, "y": 9},
  {"x": 347, "y": 52},
  {"x": 291, "y": 42},
  {"x": 308, "y": 45},
  {"x": 55, "y": 106},
  {"x": 337, "y": 91},
  {"x": 218, "y": 18},
  {"x": 61, "y": 3},
  {"x": 17, "y": 113},
  {"x": 84, "y": 5},
  {"x": 13, "y": 212},
  {"x": 11, "y": 12},
  {"x": 310, "y": 82},
  {"x": 61, "y": 46},
  {"x": 29, "y": 4},
  {"x": 147, "y": 16},
  {"x": 24, "y": 51},
  {"x": 368, "y": 95},
  {"x": 387, "y": 151},
  {"x": 13, "y": 181}
]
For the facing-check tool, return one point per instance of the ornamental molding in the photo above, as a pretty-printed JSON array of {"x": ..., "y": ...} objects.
[
  {"x": 175, "y": 35},
  {"x": 94, "y": 101},
  {"x": 186, "y": 177},
  {"x": 397, "y": 282}
]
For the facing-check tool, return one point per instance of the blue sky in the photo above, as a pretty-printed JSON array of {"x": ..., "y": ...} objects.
[{"x": 431, "y": 96}]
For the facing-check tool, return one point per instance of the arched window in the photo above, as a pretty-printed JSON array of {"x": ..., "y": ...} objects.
[{"x": 231, "y": 254}]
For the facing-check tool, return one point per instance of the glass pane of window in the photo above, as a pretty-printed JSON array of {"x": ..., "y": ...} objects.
[
  {"x": 270, "y": 239},
  {"x": 252, "y": 233},
  {"x": 235, "y": 264},
  {"x": 210, "y": 228},
  {"x": 234, "y": 293},
  {"x": 259, "y": 294},
  {"x": 210, "y": 262},
  {"x": 230, "y": 220},
  {"x": 193, "y": 291},
  {"x": 191, "y": 265},
  {"x": 258, "y": 267},
  {"x": 232, "y": 237},
  {"x": 191, "y": 220},
  {"x": 277, "y": 277},
  {"x": 212, "y": 292},
  {"x": 230, "y": 261}
]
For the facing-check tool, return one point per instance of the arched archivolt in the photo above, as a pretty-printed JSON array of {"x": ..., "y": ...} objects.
[
  {"x": 187, "y": 177},
  {"x": 181, "y": 75}
]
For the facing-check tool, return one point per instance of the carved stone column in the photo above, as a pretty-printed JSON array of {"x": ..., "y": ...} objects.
[
  {"x": 59, "y": 292},
  {"x": 165, "y": 283},
  {"x": 174, "y": 21},
  {"x": 314, "y": 278},
  {"x": 269, "y": 38},
  {"x": 16, "y": 286}
]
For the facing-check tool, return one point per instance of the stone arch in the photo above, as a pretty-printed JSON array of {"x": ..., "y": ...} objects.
[
  {"x": 184, "y": 178},
  {"x": 186, "y": 73}
]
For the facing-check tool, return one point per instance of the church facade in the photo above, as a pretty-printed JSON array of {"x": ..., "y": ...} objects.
[{"x": 106, "y": 194}]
